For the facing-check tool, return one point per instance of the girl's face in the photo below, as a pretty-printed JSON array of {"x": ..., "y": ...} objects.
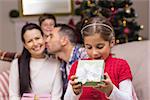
[
  {"x": 34, "y": 43},
  {"x": 97, "y": 47},
  {"x": 47, "y": 26}
]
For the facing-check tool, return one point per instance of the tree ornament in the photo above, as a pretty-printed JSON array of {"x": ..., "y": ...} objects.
[
  {"x": 89, "y": 3},
  {"x": 128, "y": 10},
  {"x": 112, "y": 9},
  {"x": 126, "y": 30},
  {"x": 77, "y": 2},
  {"x": 126, "y": 5},
  {"x": 124, "y": 23},
  {"x": 71, "y": 23}
]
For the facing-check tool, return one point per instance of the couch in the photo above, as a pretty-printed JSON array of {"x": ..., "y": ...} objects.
[{"x": 136, "y": 53}]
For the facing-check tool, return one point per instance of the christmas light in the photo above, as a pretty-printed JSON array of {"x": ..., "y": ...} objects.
[
  {"x": 117, "y": 41},
  {"x": 124, "y": 23},
  {"x": 140, "y": 38},
  {"x": 141, "y": 26},
  {"x": 128, "y": 11},
  {"x": 112, "y": 9}
]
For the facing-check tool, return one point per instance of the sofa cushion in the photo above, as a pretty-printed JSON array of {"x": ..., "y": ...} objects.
[
  {"x": 4, "y": 85},
  {"x": 137, "y": 55}
]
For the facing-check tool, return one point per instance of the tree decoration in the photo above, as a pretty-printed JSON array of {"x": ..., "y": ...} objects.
[
  {"x": 119, "y": 12},
  {"x": 77, "y": 2},
  {"x": 71, "y": 23}
]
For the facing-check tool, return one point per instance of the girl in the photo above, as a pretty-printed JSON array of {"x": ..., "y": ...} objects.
[
  {"x": 33, "y": 71},
  {"x": 99, "y": 38}
]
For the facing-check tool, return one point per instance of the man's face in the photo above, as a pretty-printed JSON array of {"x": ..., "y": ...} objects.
[{"x": 53, "y": 41}]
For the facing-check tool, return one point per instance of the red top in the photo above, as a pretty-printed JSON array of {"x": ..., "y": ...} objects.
[{"x": 117, "y": 69}]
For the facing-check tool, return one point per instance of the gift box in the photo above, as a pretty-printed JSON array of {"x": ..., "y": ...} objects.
[
  {"x": 31, "y": 96},
  {"x": 90, "y": 72}
]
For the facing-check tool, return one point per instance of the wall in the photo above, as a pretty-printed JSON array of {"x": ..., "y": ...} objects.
[
  {"x": 149, "y": 20},
  {"x": 8, "y": 30},
  {"x": 142, "y": 9},
  {"x": 7, "y": 36}
]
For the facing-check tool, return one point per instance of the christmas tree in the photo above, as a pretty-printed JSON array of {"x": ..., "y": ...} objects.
[{"x": 119, "y": 12}]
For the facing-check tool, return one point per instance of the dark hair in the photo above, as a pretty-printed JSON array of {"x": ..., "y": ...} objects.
[
  {"x": 24, "y": 61},
  {"x": 98, "y": 25},
  {"x": 66, "y": 30},
  {"x": 46, "y": 16}
]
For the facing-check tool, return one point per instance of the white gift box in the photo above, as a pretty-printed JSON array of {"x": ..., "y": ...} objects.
[{"x": 90, "y": 72}]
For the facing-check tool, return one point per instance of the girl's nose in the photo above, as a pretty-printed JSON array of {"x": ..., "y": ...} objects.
[{"x": 95, "y": 53}]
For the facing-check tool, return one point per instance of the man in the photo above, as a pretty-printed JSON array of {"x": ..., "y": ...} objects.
[{"x": 62, "y": 42}]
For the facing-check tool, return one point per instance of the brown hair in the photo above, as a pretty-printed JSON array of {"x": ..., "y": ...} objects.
[
  {"x": 98, "y": 25},
  {"x": 46, "y": 16}
]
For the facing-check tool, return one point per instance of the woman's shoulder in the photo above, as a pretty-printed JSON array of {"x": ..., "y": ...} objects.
[
  {"x": 14, "y": 65},
  {"x": 15, "y": 61}
]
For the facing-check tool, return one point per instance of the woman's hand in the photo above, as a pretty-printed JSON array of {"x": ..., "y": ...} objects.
[
  {"x": 76, "y": 86},
  {"x": 107, "y": 86}
]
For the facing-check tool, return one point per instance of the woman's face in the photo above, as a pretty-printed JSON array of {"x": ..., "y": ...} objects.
[
  {"x": 34, "y": 43},
  {"x": 47, "y": 26},
  {"x": 97, "y": 47}
]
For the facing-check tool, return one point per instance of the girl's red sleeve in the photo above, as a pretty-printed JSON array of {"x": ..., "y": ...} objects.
[{"x": 73, "y": 69}]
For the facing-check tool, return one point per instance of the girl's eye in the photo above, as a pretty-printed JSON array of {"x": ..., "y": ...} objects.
[
  {"x": 88, "y": 47},
  {"x": 99, "y": 46}
]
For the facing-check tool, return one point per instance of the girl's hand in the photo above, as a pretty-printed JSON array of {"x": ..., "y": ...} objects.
[
  {"x": 107, "y": 86},
  {"x": 76, "y": 86}
]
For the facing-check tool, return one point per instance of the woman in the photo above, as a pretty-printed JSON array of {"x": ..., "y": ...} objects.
[{"x": 33, "y": 71}]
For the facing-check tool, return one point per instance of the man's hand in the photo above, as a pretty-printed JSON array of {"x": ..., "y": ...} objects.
[{"x": 76, "y": 86}]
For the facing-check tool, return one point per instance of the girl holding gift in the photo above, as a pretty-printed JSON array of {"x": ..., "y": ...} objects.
[
  {"x": 98, "y": 36},
  {"x": 33, "y": 71}
]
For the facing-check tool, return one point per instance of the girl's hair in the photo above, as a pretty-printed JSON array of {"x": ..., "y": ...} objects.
[
  {"x": 24, "y": 61},
  {"x": 46, "y": 16},
  {"x": 98, "y": 25}
]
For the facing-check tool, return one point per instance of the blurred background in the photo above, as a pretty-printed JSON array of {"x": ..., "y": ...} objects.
[{"x": 130, "y": 18}]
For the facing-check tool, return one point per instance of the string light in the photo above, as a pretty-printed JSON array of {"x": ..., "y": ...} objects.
[
  {"x": 124, "y": 23},
  {"x": 141, "y": 26},
  {"x": 140, "y": 38}
]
